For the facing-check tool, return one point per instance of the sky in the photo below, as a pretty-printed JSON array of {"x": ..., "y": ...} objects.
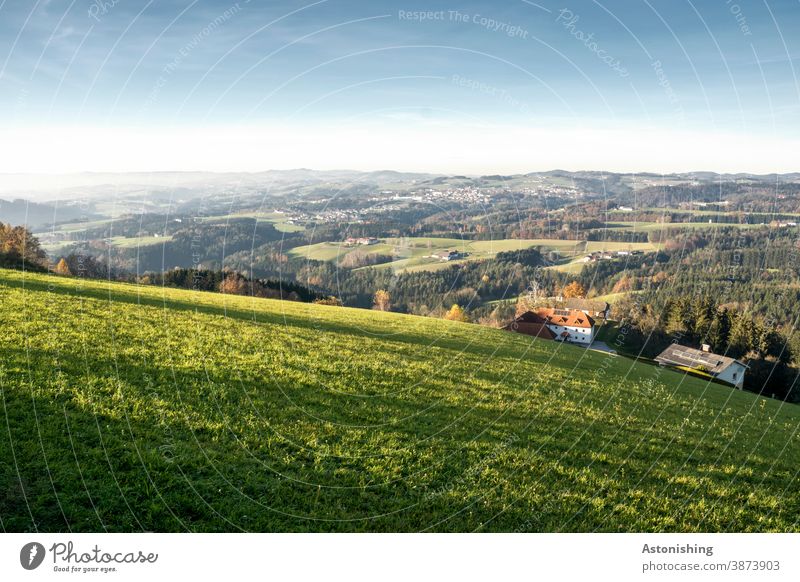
[{"x": 459, "y": 86}]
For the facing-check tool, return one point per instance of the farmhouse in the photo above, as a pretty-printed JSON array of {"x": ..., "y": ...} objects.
[
  {"x": 531, "y": 324},
  {"x": 598, "y": 256},
  {"x": 364, "y": 240},
  {"x": 722, "y": 368},
  {"x": 447, "y": 255},
  {"x": 608, "y": 255},
  {"x": 569, "y": 325}
]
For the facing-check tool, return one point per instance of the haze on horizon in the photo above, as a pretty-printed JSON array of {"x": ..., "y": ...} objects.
[{"x": 470, "y": 87}]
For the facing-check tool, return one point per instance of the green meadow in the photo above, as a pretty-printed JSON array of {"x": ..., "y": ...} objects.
[
  {"x": 138, "y": 241},
  {"x": 278, "y": 219},
  {"x": 668, "y": 226},
  {"x": 414, "y": 253},
  {"x": 137, "y": 408},
  {"x": 722, "y": 211},
  {"x": 53, "y": 248}
]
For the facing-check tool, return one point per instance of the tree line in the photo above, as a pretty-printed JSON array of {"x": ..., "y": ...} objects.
[{"x": 772, "y": 353}]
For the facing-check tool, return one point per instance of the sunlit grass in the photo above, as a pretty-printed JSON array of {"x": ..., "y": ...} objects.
[{"x": 139, "y": 408}]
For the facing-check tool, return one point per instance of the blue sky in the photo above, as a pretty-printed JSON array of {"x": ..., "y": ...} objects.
[{"x": 622, "y": 72}]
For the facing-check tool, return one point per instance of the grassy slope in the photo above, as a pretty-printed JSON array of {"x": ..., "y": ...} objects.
[
  {"x": 278, "y": 220},
  {"x": 666, "y": 226},
  {"x": 139, "y": 241},
  {"x": 615, "y": 297},
  {"x": 697, "y": 212},
  {"x": 133, "y": 408}
]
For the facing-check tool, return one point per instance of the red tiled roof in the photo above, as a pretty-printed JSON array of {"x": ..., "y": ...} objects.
[
  {"x": 565, "y": 317},
  {"x": 530, "y": 317},
  {"x": 531, "y": 324}
]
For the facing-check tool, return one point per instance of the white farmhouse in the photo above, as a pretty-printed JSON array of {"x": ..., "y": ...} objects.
[
  {"x": 728, "y": 370},
  {"x": 569, "y": 325}
]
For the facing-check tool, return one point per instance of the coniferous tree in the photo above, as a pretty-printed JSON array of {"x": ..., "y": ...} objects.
[
  {"x": 739, "y": 340},
  {"x": 702, "y": 318},
  {"x": 678, "y": 317},
  {"x": 720, "y": 330},
  {"x": 766, "y": 341}
]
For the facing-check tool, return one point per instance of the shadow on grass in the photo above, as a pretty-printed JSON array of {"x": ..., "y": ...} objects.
[{"x": 82, "y": 459}]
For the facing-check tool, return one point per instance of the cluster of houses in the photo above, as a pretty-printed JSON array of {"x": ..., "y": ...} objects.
[
  {"x": 364, "y": 240},
  {"x": 782, "y": 224},
  {"x": 606, "y": 255},
  {"x": 577, "y": 325}
]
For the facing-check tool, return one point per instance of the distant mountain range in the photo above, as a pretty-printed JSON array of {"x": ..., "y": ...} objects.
[
  {"x": 89, "y": 185},
  {"x": 39, "y": 200},
  {"x": 37, "y": 215}
]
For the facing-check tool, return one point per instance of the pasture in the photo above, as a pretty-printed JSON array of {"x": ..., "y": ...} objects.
[
  {"x": 138, "y": 408},
  {"x": 278, "y": 219},
  {"x": 138, "y": 241},
  {"x": 414, "y": 253}
]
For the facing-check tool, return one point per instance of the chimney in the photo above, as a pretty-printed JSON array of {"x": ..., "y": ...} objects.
[{"x": 706, "y": 348}]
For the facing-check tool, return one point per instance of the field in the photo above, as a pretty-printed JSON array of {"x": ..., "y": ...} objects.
[
  {"x": 140, "y": 241},
  {"x": 572, "y": 259},
  {"x": 764, "y": 216},
  {"x": 615, "y": 297},
  {"x": 665, "y": 226},
  {"x": 77, "y": 226},
  {"x": 130, "y": 408},
  {"x": 413, "y": 253},
  {"x": 278, "y": 219},
  {"x": 54, "y": 247}
]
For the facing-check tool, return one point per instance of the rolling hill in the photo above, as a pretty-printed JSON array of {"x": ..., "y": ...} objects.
[
  {"x": 414, "y": 253},
  {"x": 130, "y": 408},
  {"x": 38, "y": 215}
]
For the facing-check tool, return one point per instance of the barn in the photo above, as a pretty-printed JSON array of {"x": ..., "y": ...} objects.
[
  {"x": 728, "y": 370},
  {"x": 531, "y": 324}
]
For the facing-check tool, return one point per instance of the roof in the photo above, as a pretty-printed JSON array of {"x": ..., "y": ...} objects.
[
  {"x": 530, "y": 324},
  {"x": 566, "y": 317},
  {"x": 677, "y": 355},
  {"x": 530, "y": 317}
]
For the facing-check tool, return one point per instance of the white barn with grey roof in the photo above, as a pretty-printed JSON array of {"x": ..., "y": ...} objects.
[{"x": 729, "y": 370}]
